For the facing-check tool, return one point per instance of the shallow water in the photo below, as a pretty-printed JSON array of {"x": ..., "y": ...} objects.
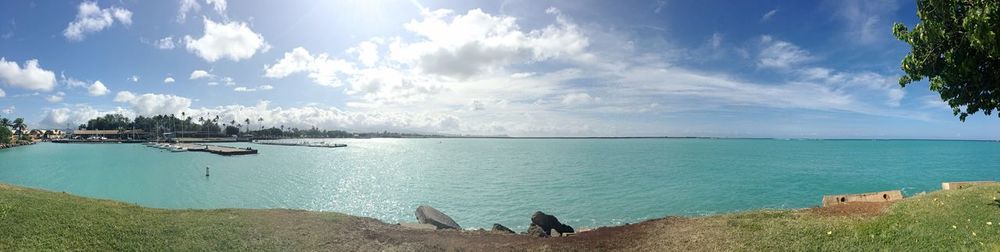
[{"x": 478, "y": 182}]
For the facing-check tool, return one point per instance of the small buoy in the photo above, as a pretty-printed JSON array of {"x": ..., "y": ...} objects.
[{"x": 206, "y": 171}]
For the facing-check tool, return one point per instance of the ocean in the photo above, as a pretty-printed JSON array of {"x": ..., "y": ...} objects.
[{"x": 478, "y": 182}]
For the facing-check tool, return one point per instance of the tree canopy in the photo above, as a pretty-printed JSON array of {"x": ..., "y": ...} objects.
[
  {"x": 956, "y": 47},
  {"x": 5, "y": 134}
]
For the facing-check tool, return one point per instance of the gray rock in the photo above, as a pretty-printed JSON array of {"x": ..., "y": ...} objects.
[
  {"x": 549, "y": 223},
  {"x": 500, "y": 228},
  {"x": 429, "y": 215},
  {"x": 536, "y": 231}
]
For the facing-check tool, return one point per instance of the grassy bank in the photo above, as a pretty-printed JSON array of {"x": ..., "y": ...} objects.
[{"x": 946, "y": 220}]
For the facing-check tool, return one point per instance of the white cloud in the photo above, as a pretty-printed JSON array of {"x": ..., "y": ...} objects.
[
  {"x": 229, "y": 81},
  {"x": 97, "y": 89},
  {"x": 767, "y": 16},
  {"x": 246, "y": 89},
  {"x": 780, "y": 54},
  {"x": 70, "y": 117},
  {"x": 212, "y": 83},
  {"x": 166, "y": 43},
  {"x": 716, "y": 40},
  {"x": 866, "y": 22},
  {"x": 322, "y": 70},
  {"x": 134, "y": 78},
  {"x": 8, "y": 110},
  {"x": 187, "y": 6},
  {"x": 578, "y": 98},
  {"x": 367, "y": 53},
  {"x": 463, "y": 46},
  {"x": 30, "y": 77},
  {"x": 233, "y": 40},
  {"x": 218, "y": 5},
  {"x": 869, "y": 81},
  {"x": 2, "y": 93},
  {"x": 200, "y": 74},
  {"x": 153, "y": 104},
  {"x": 91, "y": 18},
  {"x": 385, "y": 85},
  {"x": 168, "y": 80},
  {"x": 55, "y": 98},
  {"x": 70, "y": 82}
]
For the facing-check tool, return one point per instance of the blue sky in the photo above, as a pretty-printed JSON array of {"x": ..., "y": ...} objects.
[{"x": 796, "y": 69}]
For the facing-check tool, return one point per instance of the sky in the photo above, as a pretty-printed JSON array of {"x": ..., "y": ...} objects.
[{"x": 782, "y": 69}]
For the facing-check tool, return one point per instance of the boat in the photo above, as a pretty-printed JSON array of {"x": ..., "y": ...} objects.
[{"x": 178, "y": 149}]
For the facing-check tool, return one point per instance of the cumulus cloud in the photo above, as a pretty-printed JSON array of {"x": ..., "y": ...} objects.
[
  {"x": 69, "y": 117},
  {"x": 97, "y": 89},
  {"x": 366, "y": 52},
  {"x": 466, "y": 45},
  {"x": 321, "y": 68},
  {"x": 32, "y": 76},
  {"x": 166, "y": 43},
  {"x": 91, "y": 18},
  {"x": 168, "y": 80},
  {"x": 200, "y": 74},
  {"x": 265, "y": 87},
  {"x": 8, "y": 110},
  {"x": 188, "y": 6},
  {"x": 2, "y": 93},
  {"x": 218, "y": 5},
  {"x": 153, "y": 104},
  {"x": 55, "y": 98},
  {"x": 229, "y": 40},
  {"x": 780, "y": 54},
  {"x": 134, "y": 78}
]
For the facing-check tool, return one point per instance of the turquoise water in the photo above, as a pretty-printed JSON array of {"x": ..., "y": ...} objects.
[{"x": 585, "y": 182}]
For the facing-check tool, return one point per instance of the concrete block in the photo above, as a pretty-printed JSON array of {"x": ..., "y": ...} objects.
[
  {"x": 884, "y": 196},
  {"x": 963, "y": 184}
]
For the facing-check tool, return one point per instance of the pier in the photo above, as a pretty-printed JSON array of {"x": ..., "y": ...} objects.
[
  {"x": 301, "y": 143},
  {"x": 215, "y": 149}
]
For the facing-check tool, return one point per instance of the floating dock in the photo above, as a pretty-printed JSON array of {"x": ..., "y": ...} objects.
[
  {"x": 215, "y": 149},
  {"x": 302, "y": 143}
]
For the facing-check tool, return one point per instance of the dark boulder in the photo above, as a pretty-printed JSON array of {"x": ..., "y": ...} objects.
[
  {"x": 536, "y": 231},
  {"x": 549, "y": 222},
  {"x": 429, "y": 215},
  {"x": 501, "y": 229}
]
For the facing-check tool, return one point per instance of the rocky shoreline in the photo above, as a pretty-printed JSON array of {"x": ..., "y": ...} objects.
[
  {"x": 5, "y": 146},
  {"x": 542, "y": 225}
]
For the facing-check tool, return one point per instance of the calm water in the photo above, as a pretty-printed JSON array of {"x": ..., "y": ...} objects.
[{"x": 482, "y": 181}]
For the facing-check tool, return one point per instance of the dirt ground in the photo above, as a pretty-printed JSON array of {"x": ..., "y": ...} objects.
[{"x": 348, "y": 233}]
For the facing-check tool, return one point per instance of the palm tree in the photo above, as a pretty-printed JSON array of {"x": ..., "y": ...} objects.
[
  {"x": 248, "y": 124},
  {"x": 261, "y": 121},
  {"x": 4, "y": 122}
]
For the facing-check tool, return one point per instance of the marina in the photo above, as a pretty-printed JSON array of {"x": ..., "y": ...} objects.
[
  {"x": 294, "y": 142},
  {"x": 214, "y": 149}
]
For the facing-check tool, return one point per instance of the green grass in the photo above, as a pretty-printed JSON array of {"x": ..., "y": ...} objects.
[
  {"x": 33, "y": 219},
  {"x": 39, "y": 220},
  {"x": 943, "y": 220}
]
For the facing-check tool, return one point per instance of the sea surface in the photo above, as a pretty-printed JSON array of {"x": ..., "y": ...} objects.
[{"x": 478, "y": 182}]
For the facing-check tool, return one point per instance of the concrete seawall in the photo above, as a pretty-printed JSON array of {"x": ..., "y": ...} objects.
[{"x": 884, "y": 196}]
